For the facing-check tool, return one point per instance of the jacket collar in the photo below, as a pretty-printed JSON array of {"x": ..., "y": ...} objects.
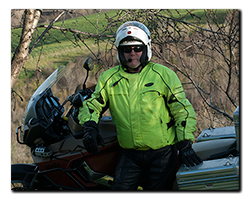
[{"x": 124, "y": 73}]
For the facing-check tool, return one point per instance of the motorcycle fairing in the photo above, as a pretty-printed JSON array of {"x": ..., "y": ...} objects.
[
  {"x": 46, "y": 128},
  {"x": 70, "y": 153},
  {"x": 39, "y": 126}
]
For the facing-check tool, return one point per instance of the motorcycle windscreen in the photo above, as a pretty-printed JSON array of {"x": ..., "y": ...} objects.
[{"x": 30, "y": 111}]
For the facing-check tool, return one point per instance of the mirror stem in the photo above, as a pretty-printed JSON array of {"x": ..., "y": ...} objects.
[{"x": 84, "y": 84}]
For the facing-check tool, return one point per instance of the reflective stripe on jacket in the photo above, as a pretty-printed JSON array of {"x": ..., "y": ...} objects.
[{"x": 149, "y": 108}]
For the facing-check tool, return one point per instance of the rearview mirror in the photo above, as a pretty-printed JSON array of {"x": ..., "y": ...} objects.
[{"x": 88, "y": 64}]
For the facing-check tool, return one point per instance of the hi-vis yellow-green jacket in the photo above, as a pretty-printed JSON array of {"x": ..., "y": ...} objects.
[{"x": 149, "y": 108}]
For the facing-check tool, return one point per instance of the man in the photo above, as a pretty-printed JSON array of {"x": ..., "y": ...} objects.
[{"x": 150, "y": 111}]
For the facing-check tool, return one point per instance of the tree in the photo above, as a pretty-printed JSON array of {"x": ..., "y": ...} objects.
[{"x": 30, "y": 21}]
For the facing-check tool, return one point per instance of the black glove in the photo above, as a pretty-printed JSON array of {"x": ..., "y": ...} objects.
[
  {"x": 187, "y": 154},
  {"x": 91, "y": 137}
]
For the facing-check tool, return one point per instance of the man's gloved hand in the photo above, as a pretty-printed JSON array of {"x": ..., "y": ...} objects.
[
  {"x": 187, "y": 154},
  {"x": 91, "y": 137}
]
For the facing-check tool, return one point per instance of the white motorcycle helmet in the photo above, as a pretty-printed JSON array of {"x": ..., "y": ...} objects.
[{"x": 133, "y": 33}]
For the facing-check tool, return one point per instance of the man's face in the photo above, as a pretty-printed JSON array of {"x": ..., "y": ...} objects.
[{"x": 132, "y": 55}]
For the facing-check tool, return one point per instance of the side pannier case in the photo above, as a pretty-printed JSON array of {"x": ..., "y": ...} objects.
[{"x": 220, "y": 174}]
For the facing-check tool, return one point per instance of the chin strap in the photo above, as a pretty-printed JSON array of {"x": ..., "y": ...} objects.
[
  {"x": 135, "y": 69},
  {"x": 129, "y": 69}
]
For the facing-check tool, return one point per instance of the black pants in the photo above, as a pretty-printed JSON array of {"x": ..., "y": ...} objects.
[{"x": 155, "y": 169}]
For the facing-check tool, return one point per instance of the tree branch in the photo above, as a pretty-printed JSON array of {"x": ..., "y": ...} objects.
[
  {"x": 46, "y": 30},
  {"x": 93, "y": 35}
]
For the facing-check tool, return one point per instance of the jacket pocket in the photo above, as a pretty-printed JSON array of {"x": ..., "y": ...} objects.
[
  {"x": 150, "y": 94},
  {"x": 151, "y": 103}
]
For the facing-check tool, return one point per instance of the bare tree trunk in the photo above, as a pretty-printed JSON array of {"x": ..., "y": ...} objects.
[{"x": 21, "y": 55}]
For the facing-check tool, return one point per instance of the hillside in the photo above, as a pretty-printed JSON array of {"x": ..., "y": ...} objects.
[{"x": 61, "y": 48}]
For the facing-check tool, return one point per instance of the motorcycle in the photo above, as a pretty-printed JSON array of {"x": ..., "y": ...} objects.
[{"x": 60, "y": 159}]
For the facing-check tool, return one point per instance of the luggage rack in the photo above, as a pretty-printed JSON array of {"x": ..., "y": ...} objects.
[{"x": 217, "y": 133}]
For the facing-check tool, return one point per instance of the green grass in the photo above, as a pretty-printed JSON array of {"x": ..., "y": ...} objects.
[
  {"x": 55, "y": 54},
  {"x": 198, "y": 16},
  {"x": 84, "y": 25}
]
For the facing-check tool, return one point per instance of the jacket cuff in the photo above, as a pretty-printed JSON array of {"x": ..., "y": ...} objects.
[
  {"x": 184, "y": 144},
  {"x": 90, "y": 124}
]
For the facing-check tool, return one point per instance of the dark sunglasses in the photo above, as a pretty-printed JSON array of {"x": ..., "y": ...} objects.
[{"x": 128, "y": 49}]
